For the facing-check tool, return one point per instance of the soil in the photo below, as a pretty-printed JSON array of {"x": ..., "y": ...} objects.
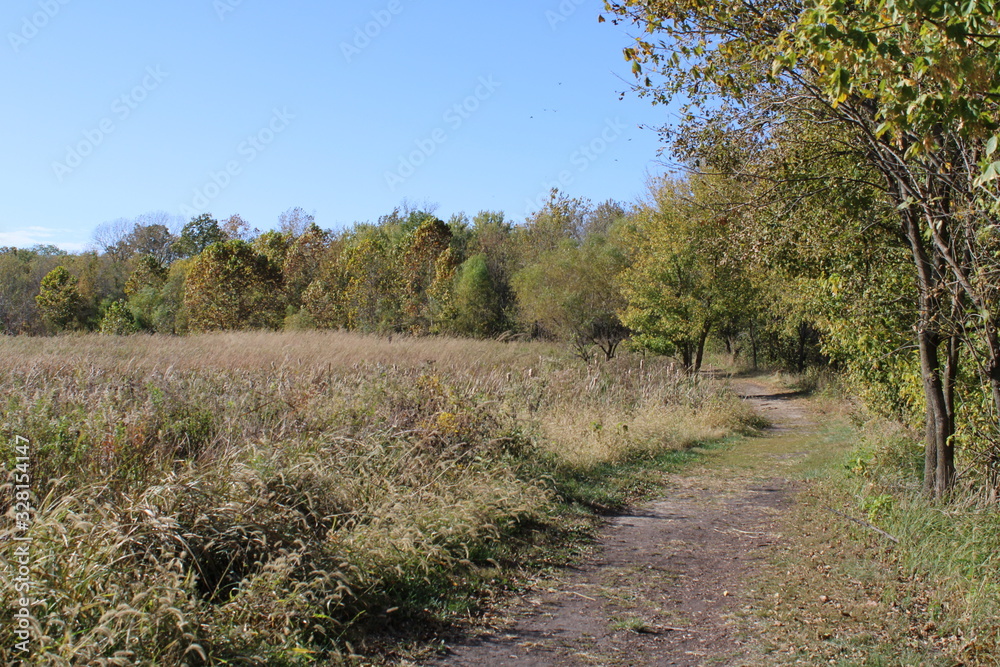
[{"x": 665, "y": 580}]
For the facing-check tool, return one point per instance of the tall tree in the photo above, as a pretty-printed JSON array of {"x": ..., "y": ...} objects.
[
  {"x": 198, "y": 234},
  {"x": 683, "y": 281},
  {"x": 561, "y": 218},
  {"x": 371, "y": 298},
  {"x": 571, "y": 293},
  {"x": 302, "y": 262},
  {"x": 474, "y": 308},
  {"x": 419, "y": 269},
  {"x": 231, "y": 286},
  {"x": 59, "y": 300}
]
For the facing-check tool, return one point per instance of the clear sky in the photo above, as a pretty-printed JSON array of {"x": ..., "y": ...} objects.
[{"x": 114, "y": 109}]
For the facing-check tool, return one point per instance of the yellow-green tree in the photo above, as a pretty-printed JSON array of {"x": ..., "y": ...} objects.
[
  {"x": 371, "y": 297},
  {"x": 197, "y": 235},
  {"x": 118, "y": 320},
  {"x": 59, "y": 300},
  {"x": 571, "y": 293},
  {"x": 682, "y": 281},
  {"x": 142, "y": 289},
  {"x": 302, "y": 262},
  {"x": 323, "y": 300},
  {"x": 420, "y": 269},
  {"x": 474, "y": 305},
  {"x": 232, "y": 286},
  {"x": 912, "y": 90}
]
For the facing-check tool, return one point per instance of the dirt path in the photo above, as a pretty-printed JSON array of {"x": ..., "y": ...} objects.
[{"x": 664, "y": 579}]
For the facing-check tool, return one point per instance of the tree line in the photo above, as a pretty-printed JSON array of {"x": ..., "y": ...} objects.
[{"x": 649, "y": 272}]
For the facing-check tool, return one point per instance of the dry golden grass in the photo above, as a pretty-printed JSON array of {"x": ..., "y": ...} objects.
[
  {"x": 627, "y": 409},
  {"x": 266, "y": 350},
  {"x": 267, "y": 498}
]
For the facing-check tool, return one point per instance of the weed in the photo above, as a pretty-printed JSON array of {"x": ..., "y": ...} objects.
[{"x": 629, "y": 624}]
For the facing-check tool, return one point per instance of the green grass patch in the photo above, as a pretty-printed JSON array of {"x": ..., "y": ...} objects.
[
  {"x": 837, "y": 592},
  {"x": 611, "y": 486}
]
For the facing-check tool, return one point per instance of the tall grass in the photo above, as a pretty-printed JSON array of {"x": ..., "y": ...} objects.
[
  {"x": 950, "y": 549},
  {"x": 274, "y": 498}
]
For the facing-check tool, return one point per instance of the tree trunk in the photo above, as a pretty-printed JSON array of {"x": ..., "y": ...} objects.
[
  {"x": 800, "y": 355},
  {"x": 701, "y": 347},
  {"x": 993, "y": 457},
  {"x": 686, "y": 356},
  {"x": 939, "y": 465},
  {"x": 939, "y": 453}
]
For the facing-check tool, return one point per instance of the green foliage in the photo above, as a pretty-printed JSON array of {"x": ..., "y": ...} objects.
[
  {"x": 198, "y": 234},
  {"x": 493, "y": 238},
  {"x": 118, "y": 320},
  {"x": 149, "y": 272},
  {"x": 59, "y": 300},
  {"x": 683, "y": 281},
  {"x": 162, "y": 309},
  {"x": 928, "y": 65},
  {"x": 274, "y": 246},
  {"x": 231, "y": 286},
  {"x": 371, "y": 298},
  {"x": 561, "y": 219},
  {"x": 153, "y": 239},
  {"x": 302, "y": 261},
  {"x": 420, "y": 271},
  {"x": 906, "y": 90},
  {"x": 475, "y": 302},
  {"x": 572, "y": 293}
]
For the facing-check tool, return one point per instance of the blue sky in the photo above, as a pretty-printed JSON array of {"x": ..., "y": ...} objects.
[{"x": 115, "y": 109}]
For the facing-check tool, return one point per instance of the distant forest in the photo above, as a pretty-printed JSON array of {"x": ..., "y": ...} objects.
[{"x": 568, "y": 273}]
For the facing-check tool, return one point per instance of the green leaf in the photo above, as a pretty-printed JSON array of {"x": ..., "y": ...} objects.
[{"x": 989, "y": 174}]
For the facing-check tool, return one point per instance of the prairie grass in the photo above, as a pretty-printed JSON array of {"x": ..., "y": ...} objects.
[
  {"x": 265, "y": 350},
  {"x": 282, "y": 499},
  {"x": 624, "y": 410}
]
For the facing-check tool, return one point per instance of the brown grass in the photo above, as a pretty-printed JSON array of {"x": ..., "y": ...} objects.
[
  {"x": 267, "y": 350},
  {"x": 265, "y": 498}
]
